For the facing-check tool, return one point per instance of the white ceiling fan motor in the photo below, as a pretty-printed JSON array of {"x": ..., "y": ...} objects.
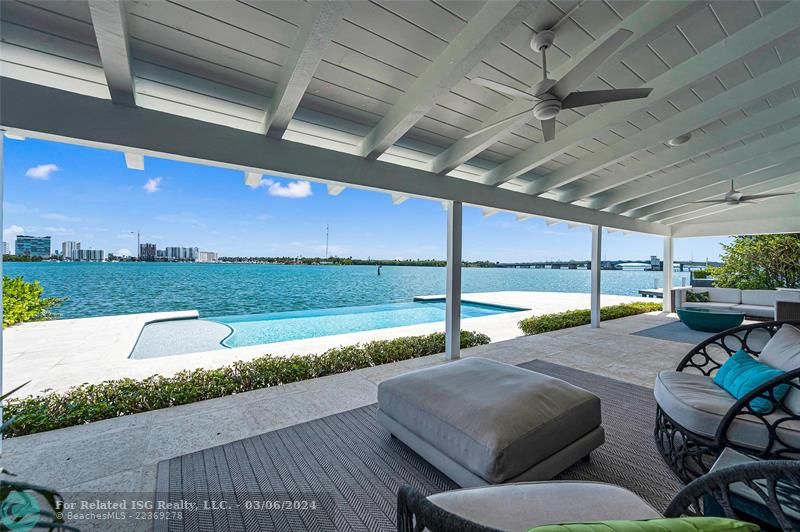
[{"x": 547, "y": 108}]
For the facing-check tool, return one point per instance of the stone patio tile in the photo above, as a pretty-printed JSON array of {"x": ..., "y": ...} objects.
[
  {"x": 173, "y": 436},
  {"x": 76, "y": 460}
]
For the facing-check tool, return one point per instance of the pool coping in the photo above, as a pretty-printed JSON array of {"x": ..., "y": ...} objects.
[{"x": 504, "y": 309}]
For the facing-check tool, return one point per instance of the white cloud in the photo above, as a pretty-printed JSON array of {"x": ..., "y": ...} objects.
[
  {"x": 10, "y": 234},
  {"x": 59, "y": 217},
  {"x": 293, "y": 189},
  {"x": 50, "y": 230},
  {"x": 123, "y": 252},
  {"x": 153, "y": 185},
  {"x": 42, "y": 171}
]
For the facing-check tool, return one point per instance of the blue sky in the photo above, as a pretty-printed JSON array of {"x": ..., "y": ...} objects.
[{"x": 85, "y": 194}]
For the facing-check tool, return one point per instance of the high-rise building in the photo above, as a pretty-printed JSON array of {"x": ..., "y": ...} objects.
[
  {"x": 147, "y": 252},
  {"x": 69, "y": 249},
  {"x": 6, "y": 250},
  {"x": 32, "y": 246},
  {"x": 178, "y": 253},
  {"x": 207, "y": 256},
  {"x": 89, "y": 255}
]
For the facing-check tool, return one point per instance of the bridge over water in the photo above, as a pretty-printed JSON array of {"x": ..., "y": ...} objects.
[{"x": 652, "y": 264}]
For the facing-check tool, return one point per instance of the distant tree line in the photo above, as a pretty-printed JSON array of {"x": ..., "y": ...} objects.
[
  {"x": 20, "y": 258},
  {"x": 350, "y": 261}
]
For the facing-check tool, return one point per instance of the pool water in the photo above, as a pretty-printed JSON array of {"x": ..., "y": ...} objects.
[{"x": 254, "y": 329}]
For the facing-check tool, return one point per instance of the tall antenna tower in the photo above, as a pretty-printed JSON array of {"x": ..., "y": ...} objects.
[{"x": 327, "y": 234}]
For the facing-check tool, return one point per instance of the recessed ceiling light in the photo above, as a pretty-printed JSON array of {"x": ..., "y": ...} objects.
[{"x": 680, "y": 139}]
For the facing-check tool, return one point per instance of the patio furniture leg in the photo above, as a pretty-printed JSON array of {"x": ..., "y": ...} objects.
[{"x": 688, "y": 455}]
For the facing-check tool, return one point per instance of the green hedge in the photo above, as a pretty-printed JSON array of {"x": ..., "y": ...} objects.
[
  {"x": 573, "y": 318},
  {"x": 93, "y": 402},
  {"x": 23, "y": 301}
]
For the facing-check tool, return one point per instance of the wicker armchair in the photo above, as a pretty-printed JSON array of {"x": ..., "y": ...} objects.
[
  {"x": 696, "y": 420},
  {"x": 451, "y": 511}
]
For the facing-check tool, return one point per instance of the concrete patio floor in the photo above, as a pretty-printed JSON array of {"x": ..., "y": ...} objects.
[{"x": 120, "y": 455}]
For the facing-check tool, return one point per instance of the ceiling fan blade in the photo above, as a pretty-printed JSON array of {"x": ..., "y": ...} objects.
[
  {"x": 573, "y": 79},
  {"x": 510, "y": 119},
  {"x": 549, "y": 129},
  {"x": 580, "y": 99},
  {"x": 503, "y": 88},
  {"x": 763, "y": 196},
  {"x": 543, "y": 86},
  {"x": 710, "y": 201}
]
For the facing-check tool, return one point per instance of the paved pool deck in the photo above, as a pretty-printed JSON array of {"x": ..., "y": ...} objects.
[
  {"x": 120, "y": 455},
  {"x": 56, "y": 355}
]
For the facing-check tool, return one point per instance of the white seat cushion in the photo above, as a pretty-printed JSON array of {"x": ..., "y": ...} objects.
[
  {"x": 783, "y": 352},
  {"x": 760, "y": 297},
  {"x": 525, "y": 505},
  {"x": 724, "y": 295},
  {"x": 760, "y": 311},
  {"x": 696, "y": 403}
]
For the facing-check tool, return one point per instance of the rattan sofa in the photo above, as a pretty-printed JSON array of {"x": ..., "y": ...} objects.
[{"x": 696, "y": 419}]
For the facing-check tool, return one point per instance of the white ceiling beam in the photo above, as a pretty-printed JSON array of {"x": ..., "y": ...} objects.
[
  {"x": 646, "y": 23},
  {"x": 760, "y": 33},
  {"x": 717, "y": 190},
  {"x": 484, "y": 31},
  {"x": 335, "y": 190},
  {"x": 13, "y": 136},
  {"x": 252, "y": 179},
  {"x": 397, "y": 199},
  {"x": 679, "y": 123},
  {"x": 487, "y": 213},
  {"x": 764, "y": 226},
  {"x": 728, "y": 135},
  {"x": 110, "y": 23},
  {"x": 44, "y": 112},
  {"x": 688, "y": 212},
  {"x": 313, "y": 37},
  {"x": 523, "y": 217},
  {"x": 134, "y": 161},
  {"x": 733, "y": 163},
  {"x": 776, "y": 216}
]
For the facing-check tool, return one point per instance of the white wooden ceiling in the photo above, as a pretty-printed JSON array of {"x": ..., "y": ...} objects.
[{"x": 363, "y": 78}]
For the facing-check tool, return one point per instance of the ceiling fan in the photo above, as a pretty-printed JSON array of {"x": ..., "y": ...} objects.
[
  {"x": 734, "y": 197},
  {"x": 551, "y": 96}
]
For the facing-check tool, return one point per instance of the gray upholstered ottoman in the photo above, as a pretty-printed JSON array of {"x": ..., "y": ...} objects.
[{"x": 484, "y": 422}]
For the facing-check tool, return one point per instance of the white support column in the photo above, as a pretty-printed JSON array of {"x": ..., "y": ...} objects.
[
  {"x": 667, "y": 295},
  {"x": 453, "y": 302},
  {"x": 597, "y": 240}
]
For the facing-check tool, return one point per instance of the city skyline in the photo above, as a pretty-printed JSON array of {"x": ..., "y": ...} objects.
[{"x": 87, "y": 194}]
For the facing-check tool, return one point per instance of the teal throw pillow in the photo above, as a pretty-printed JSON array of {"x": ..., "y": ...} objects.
[{"x": 742, "y": 373}]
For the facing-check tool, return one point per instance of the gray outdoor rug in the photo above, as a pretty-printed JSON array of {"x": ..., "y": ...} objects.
[
  {"x": 675, "y": 332},
  {"x": 342, "y": 472}
]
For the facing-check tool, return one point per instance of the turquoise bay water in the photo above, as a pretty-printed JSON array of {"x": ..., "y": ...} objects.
[
  {"x": 257, "y": 329},
  {"x": 101, "y": 289}
]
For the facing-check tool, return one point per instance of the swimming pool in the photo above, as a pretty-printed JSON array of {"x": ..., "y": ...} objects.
[{"x": 254, "y": 329}]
